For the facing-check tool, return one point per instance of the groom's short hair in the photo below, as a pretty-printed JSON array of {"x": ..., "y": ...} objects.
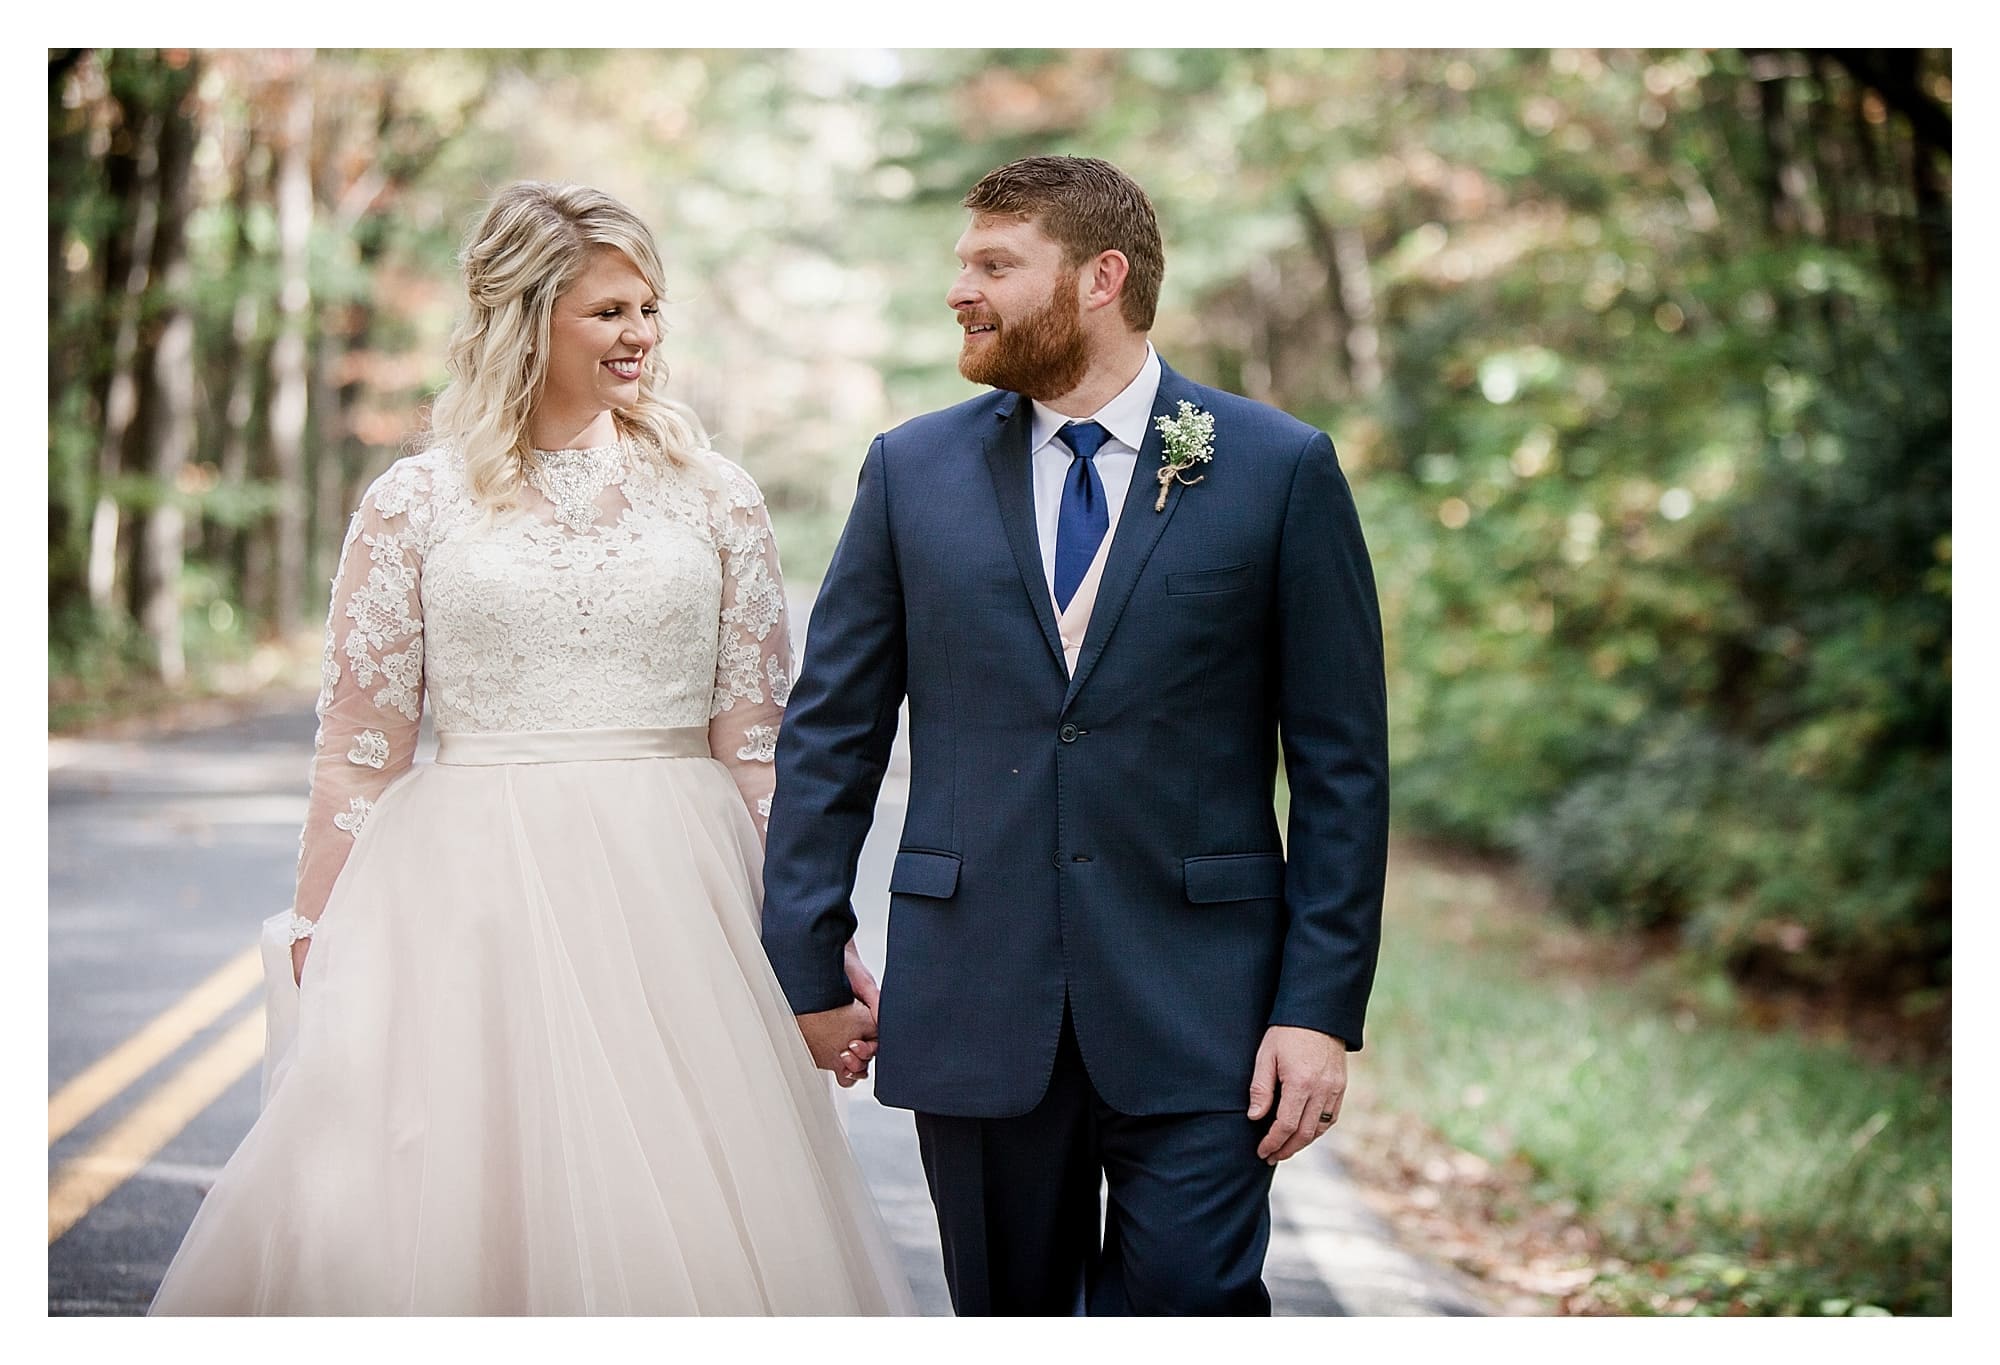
[{"x": 1087, "y": 206}]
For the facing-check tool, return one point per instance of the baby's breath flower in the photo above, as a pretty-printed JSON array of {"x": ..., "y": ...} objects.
[{"x": 1190, "y": 440}]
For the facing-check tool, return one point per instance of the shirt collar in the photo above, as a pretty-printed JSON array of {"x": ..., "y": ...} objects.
[{"x": 1125, "y": 416}]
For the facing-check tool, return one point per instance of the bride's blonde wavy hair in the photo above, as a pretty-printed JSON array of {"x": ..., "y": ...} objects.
[{"x": 533, "y": 243}]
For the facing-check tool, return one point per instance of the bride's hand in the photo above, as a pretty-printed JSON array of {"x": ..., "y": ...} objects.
[
  {"x": 299, "y": 960},
  {"x": 860, "y": 980},
  {"x": 854, "y": 1059},
  {"x": 835, "y": 1036}
]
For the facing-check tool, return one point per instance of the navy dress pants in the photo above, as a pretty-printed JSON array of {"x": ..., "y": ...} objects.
[{"x": 1184, "y": 1229}]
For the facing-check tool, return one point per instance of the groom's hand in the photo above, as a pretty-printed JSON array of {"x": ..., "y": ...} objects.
[
  {"x": 841, "y": 1040},
  {"x": 1305, "y": 1073},
  {"x": 860, "y": 980}
]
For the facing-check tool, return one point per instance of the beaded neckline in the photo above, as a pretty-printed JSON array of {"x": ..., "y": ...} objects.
[
  {"x": 572, "y": 480},
  {"x": 580, "y": 452}
]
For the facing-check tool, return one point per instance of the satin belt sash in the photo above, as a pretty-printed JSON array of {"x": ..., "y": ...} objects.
[{"x": 573, "y": 746}]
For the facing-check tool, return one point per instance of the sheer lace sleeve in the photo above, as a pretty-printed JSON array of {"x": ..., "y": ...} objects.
[
  {"x": 371, "y": 680},
  {"x": 753, "y": 657}
]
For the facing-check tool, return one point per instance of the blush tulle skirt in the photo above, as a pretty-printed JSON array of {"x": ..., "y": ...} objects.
[{"x": 542, "y": 1066}]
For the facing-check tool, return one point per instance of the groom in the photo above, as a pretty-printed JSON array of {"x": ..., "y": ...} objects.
[{"x": 1103, "y": 961}]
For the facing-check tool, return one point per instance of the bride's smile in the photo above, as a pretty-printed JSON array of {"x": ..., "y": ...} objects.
[{"x": 601, "y": 332}]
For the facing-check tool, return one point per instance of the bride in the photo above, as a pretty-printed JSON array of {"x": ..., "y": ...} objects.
[{"x": 541, "y": 1065}]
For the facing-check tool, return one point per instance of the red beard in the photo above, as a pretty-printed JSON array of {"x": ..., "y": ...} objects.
[{"x": 1044, "y": 355}]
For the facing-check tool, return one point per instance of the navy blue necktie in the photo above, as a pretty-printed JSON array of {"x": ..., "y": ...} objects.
[{"x": 1084, "y": 517}]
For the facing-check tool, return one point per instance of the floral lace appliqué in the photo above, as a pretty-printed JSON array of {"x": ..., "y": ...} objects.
[
  {"x": 755, "y": 600},
  {"x": 371, "y": 749},
  {"x": 380, "y": 610},
  {"x": 358, "y": 810},
  {"x": 760, "y": 744}
]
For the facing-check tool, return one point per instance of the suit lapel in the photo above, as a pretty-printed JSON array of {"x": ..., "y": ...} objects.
[
  {"x": 1139, "y": 530},
  {"x": 1013, "y": 485}
]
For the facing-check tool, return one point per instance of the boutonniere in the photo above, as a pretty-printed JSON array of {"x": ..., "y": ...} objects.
[{"x": 1190, "y": 440}]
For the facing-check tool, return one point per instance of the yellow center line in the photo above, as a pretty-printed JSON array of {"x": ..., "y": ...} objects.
[
  {"x": 110, "y": 1074},
  {"x": 86, "y": 1180}
]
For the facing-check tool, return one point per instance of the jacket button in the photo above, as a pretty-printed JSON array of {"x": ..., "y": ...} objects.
[{"x": 1067, "y": 734}]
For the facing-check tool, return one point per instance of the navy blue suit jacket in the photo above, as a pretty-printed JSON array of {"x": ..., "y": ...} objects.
[{"x": 1108, "y": 837}]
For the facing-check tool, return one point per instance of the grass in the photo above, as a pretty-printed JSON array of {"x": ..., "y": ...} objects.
[{"x": 1722, "y": 1168}]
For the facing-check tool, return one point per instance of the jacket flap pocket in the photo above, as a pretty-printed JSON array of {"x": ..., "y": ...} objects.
[
  {"x": 1208, "y": 580},
  {"x": 1235, "y": 877},
  {"x": 921, "y": 872}
]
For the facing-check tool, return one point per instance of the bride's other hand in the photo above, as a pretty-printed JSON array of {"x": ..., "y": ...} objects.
[{"x": 299, "y": 960}]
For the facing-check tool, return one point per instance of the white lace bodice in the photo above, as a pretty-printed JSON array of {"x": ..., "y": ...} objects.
[{"x": 621, "y": 593}]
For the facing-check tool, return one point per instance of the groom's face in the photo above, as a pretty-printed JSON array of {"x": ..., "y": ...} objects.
[{"x": 1018, "y": 309}]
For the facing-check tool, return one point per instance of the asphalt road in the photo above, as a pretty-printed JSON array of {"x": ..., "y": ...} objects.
[{"x": 166, "y": 852}]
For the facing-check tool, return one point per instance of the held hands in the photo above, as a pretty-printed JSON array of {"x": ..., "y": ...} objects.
[
  {"x": 1305, "y": 1072},
  {"x": 842, "y": 1039}
]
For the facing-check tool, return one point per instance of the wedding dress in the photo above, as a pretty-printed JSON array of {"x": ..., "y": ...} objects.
[{"x": 541, "y": 1065}]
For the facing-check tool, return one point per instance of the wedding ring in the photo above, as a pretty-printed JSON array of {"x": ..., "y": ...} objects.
[{"x": 1325, "y": 1117}]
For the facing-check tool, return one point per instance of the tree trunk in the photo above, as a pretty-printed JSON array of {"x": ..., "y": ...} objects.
[
  {"x": 1830, "y": 156},
  {"x": 67, "y": 146},
  {"x": 1933, "y": 226},
  {"x": 1260, "y": 369},
  {"x": 1319, "y": 236},
  {"x": 1357, "y": 291},
  {"x": 172, "y": 432},
  {"x": 329, "y": 459},
  {"x": 1895, "y": 74},
  {"x": 239, "y": 408},
  {"x": 121, "y": 400},
  {"x": 1796, "y": 172},
  {"x": 1771, "y": 116},
  {"x": 71, "y": 341},
  {"x": 289, "y": 379}
]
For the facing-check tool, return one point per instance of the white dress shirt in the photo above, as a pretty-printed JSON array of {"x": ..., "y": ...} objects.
[{"x": 1125, "y": 418}]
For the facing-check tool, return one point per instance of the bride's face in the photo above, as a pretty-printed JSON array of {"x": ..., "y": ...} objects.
[{"x": 601, "y": 337}]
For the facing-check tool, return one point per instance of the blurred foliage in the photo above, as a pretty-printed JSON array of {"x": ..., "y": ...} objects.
[
  {"x": 1639, "y": 362},
  {"x": 1720, "y": 1166}
]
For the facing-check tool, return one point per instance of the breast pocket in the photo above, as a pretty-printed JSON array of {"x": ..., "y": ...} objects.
[{"x": 1206, "y": 582}]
